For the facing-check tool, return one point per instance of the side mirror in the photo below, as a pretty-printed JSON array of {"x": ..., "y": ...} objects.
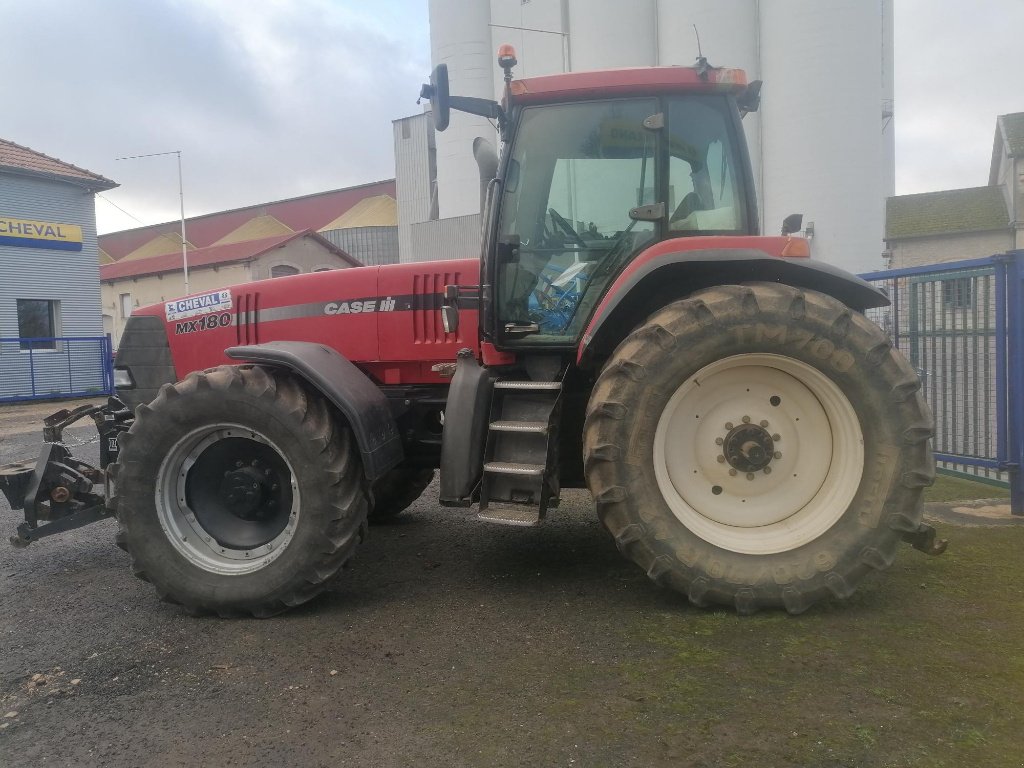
[
  {"x": 440, "y": 99},
  {"x": 792, "y": 223}
]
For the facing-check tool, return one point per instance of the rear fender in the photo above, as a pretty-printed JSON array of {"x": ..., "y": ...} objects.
[
  {"x": 358, "y": 399},
  {"x": 645, "y": 287}
]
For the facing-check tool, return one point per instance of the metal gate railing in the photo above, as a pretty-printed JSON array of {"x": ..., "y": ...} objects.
[
  {"x": 55, "y": 367},
  {"x": 961, "y": 325}
]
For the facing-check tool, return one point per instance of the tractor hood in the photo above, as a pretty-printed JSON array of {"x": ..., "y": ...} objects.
[{"x": 385, "y": 319}]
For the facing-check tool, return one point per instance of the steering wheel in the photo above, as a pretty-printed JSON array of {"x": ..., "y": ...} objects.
[{"x": 566, "y": 227}]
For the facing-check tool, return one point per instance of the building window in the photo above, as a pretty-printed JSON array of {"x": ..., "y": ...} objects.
[
  {"x": 283, "y": 270},
  {"x": 956, "y": 294},
  {"x": 126, "y": 305},
  {"x": 37, "y": 319}
]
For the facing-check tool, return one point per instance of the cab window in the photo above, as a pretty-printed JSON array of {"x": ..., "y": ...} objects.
[
  {"x": 575, "y": 172},
  {"x": 704, "y": 193}
]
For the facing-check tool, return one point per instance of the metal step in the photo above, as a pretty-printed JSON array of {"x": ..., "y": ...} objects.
[
  {"x": 534, "y": 427},
  {"x": 509, "y": 468},
  {"x": 528, "y": 385},
  {"x": 511, "y": 514}
]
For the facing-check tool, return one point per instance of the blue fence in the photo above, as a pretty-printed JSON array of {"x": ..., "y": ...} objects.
[
  {"x": 961, "y": 325},
  {"x": 55, "y": 367}
]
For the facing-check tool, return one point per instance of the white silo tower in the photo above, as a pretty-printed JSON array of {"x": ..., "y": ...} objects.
[
  {"x": 460, "y": 36},
  {"x": 822, "y": 144}
]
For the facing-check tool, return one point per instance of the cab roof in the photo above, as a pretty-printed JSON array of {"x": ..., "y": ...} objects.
[{"x": 572, "y": 86}]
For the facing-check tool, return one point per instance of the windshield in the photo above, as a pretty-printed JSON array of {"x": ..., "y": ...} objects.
[{"x": 575, "y": 172}]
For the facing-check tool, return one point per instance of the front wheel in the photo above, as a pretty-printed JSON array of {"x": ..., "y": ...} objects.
[
  {"x": 758, "y": 446},
  {"x": 238, "y": 492}
]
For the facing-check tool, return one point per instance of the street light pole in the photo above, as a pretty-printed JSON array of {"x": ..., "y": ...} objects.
[{"x": 181, "y": 197}]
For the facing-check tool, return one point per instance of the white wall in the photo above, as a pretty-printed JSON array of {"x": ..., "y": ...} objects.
[{"x": 819, "y": 146}]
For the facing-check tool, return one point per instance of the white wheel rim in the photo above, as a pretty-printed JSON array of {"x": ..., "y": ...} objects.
[{"x": 812, "y": 477}]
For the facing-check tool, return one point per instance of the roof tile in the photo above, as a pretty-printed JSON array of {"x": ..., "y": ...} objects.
[
  {"x": 977, "y": 209},
  {"x": 1013, "y": 129},
  {"x": 298, "y": 213},
  {"x": 18, "y": 158},
  {"x": 208, "y": 257}
]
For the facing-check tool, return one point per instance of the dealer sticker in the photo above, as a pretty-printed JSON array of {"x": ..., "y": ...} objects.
[{"x": 204, "y": 304}]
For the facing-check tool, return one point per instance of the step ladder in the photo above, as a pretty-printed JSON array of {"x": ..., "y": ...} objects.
[{"x": 520, "y": 477}]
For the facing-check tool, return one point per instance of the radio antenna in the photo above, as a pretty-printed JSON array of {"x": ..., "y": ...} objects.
[{"x": 702, "y": 63}]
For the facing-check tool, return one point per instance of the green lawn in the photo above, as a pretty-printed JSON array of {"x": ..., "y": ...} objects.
[{"x": 948, "y": 488}]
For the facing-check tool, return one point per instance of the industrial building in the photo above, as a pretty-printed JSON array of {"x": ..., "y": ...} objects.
[
  {"x": 821, "y": 145},
  {"x": 342, "y": 228},
  {"x": 50, "y": 287}
]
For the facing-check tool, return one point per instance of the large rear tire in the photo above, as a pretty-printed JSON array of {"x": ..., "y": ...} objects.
[
  {"x": 238, "y": 492},
  {"x": 394, "y": 492},
  {"x": 758, "y": 446}
]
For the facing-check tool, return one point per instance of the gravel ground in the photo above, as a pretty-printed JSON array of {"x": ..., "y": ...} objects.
[
  {"x": 440, "y": 618},
  {"x": 452, "y": 642}
]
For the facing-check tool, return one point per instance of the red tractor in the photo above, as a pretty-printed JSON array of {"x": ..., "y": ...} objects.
[{"x": 749, "y": 437}]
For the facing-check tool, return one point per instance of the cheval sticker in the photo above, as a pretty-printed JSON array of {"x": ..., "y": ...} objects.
[{"x": 204, "y": 304}]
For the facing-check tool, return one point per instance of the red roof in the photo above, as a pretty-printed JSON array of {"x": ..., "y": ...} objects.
[
  {"x": 214, "y": 255},
  {"x": 310, "y": 212},
  {"x": 635, "y": 80},
  {"x": 14, "y": 157}
]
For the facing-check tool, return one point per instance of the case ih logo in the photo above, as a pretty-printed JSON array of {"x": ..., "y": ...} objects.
[{"x": 204, "y": 304}]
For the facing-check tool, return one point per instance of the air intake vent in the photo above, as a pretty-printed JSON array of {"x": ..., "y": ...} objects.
[
  {"x": 428, "y": 292},
  {"x": 247, "y": 306}
]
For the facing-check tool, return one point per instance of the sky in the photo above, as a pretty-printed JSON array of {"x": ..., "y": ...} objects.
[{"x": 271, "y": 99}]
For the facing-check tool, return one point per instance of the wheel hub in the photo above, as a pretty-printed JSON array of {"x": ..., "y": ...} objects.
[
  {"x": 749, "y": 448},
  {"x": 247, "y": 493}
]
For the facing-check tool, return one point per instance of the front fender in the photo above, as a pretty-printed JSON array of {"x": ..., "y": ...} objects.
[
  {"x": 360, "y": 401},
  {"x": 648, "y": 284}
]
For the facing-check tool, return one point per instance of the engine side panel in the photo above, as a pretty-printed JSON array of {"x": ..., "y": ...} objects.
[{"x": 386, "y": 320}]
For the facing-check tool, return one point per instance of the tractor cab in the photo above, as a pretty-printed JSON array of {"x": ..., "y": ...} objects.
[{"x": 595, "y": 168}]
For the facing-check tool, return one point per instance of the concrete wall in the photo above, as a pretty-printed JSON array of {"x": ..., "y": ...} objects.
[
  {"x": 305, "y": 254},
  {"x": 454, "y": 238},
  {"x": 917, "y": 251}
]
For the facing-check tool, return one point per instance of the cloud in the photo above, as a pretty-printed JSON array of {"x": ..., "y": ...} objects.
[
  {"x": 267, "y": 99},
  {"x": 955, "y": 72}
]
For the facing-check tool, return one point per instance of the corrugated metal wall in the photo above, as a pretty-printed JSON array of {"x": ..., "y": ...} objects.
[
  {"x": 455, "y": 238},
  {"x": 371, "y": 245},
  {"x": 414, "y": 174},
  {"x": 68, "y": 277}
]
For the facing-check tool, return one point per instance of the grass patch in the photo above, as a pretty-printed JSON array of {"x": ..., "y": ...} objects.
[
  {"x": 921, "y": 667},
  {"x": 949, "y": 488}
]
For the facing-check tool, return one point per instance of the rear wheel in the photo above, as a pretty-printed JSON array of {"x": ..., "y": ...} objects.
[
  {"x": 758, "y": 446},
  {"x": 394, "y": 492},
  {"x": 238, "y": 492}
]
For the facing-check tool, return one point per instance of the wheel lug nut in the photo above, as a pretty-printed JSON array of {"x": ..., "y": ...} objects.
[
  {"x": 776, "y": 437},
  {"x": 238, "y": 464},
  {"x": 732, "y": 472},
  {"x": 767, "y": 470},
  {"x": 750, "y": 475},
  {"x": 778, "y": 454},
  {"x": 728, "y": 425},
  {"x": 764, "y": 422},
  {"x": 721, "y": 459},
  {"x": 746, "y": 419},
  {"x": 719, "y": 441}
]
